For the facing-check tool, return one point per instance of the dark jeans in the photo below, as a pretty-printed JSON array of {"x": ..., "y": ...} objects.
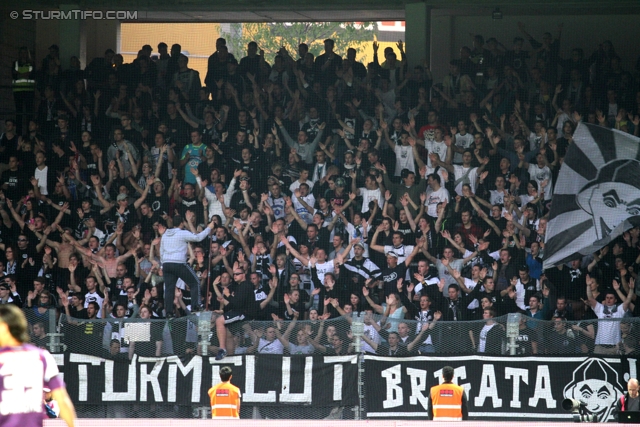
[{"x": 174, "y": 271}]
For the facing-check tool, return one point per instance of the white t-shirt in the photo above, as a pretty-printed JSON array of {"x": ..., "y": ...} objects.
[
  {"x": 322, "y": 269},
  {"x": 460, "y": 172},
  {"x": 402, "y": 251},
  {"x": 433, "y": 198},
  {"x": 534, "y": 141},
  {"x": 368, "y": 196},
  {"x": 301, "y": 210},
  {"x": 440, "y": 148},
  {"x": 470, "y": 284},
  {"x": 464, "y": 142},
  {"x": 90, "y": 297},
  {"x": 373, "y": 335},
  {"x": 443, "y": 273},
  {"x": 540, "y": 174},
  {"x": 520, "y": 291},
  {"x": 270, "y": 347},
  {"x": 277, "y": 205},
  {"x": 525, "y": 199},
  {"x": 41, "y": 176},
  {"x": 561, "y": 121},
  {"x": 496, "y": 197},
  {"x": 296, "y": 184},
  {"x": 404, "y": 158},
  {"x": 300, "y": 349},
  {"x": 483, "y": 337},
  {"x": 608, "y": 332}
]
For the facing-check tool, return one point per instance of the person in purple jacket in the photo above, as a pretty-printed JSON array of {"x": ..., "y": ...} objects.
[{"x": 24, "y": 371}]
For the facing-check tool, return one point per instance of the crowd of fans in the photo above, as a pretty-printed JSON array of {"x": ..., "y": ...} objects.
[{"x": 337, "y": 188}]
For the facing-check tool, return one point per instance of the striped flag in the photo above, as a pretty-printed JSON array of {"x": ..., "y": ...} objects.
[{"x": 597, "y": 196}]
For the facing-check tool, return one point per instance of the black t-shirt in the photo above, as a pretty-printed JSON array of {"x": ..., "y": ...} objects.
[
  {"x": 204, "y": 168},
  {"x": 148, "y": 348},
  {"x": 78, "y": 314},
  {"x": 159, "y": 204},
  {"x": 146, "y": 224},
  {"x": 93, "y": 165},
  {"x": 16, "y": 182},
  {"x": 5, "y": 233},
  {"x": 526, "y": 337},
  {"x": 238, "y": 202},
  {"x": 178, "y": 130},
  {"x": 390, "y": 278},
  {"x": 10, "y": 145},
  {"x": 193, "y": 205}
]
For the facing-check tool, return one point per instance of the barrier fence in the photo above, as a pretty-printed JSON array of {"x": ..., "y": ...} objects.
[{"x": 512, "y": 368}]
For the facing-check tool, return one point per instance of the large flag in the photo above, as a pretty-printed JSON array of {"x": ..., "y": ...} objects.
[{"x": 597, "y": 196}]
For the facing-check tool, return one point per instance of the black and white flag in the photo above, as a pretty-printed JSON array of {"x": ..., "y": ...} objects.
[{"x": 597, "y": 196}]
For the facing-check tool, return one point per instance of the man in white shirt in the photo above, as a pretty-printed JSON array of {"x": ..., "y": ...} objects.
[
  {"x": 303, "y": 203},
  {"x": 497, "y": 196},
  {"x": 445, "y": 266},
  {"x": 42, "y": 174},
  {"x": 436, "y": 193},
  {"x": 462, "y": 141},
  {"x": 304, "y": 178},
  {"x": 320, "y": 169},
  {"x": 370, "y": 192},
  {"x": 608, "y": 335},
  {"x": 437, "y": 146},
  {"x": 539, "y": 172},
  {"x": 464, "y": 173},
  {"x": 269, "y": 344},
  {"x": 370, "y": 332},
  {"x": 276, "y": 201},
  {"x": 403, "y": 152}
]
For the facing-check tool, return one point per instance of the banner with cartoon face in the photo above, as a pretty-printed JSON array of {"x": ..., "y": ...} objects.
[
  {"x": 597, "y": 196},
  {"x": 499, "y": 388}
]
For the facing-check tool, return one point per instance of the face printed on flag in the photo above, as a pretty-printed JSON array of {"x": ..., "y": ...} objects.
[
  {"x": 609, "y": 199},
  {"x": 597, "y": 196}
]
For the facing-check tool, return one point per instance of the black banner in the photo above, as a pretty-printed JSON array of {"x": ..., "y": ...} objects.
[
  {"x": 264, "y": 380},
  {"x": 499, "y": 388}
]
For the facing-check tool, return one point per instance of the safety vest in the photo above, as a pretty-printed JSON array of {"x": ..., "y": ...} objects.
[
  {"x": 447, "y": 402},
  {"x": 22, "y": 84},
  {"x": 224, "y": 401}
]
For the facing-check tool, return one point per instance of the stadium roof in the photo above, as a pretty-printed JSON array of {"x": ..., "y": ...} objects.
[{"x": 337, "y": 10}]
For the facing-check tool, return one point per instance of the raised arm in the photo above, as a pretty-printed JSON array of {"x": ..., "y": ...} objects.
[{"x": 365, "y": 292}]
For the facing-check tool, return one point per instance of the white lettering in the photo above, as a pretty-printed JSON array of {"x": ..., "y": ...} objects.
[
  {"x": 488, "y": 387},
  {"x": 250, "y": 379},
  {"x": 418, "y": 379},
  {"x": 395, "y": 396},
  {"x": 632, "y": 369},
  {"x": 109, "y": 394},
  {"x": 215, "y": 367},
  {"x": 194, "y": 365},
  {"x": 543, "y": 388},
  {"x": 305, "y": 396},
  {"x": 517, "y": 375},
  {"x": 83, "y": 376},
  {"x": 337, "y": 372},
  {"x": 151, "y": 378}
]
